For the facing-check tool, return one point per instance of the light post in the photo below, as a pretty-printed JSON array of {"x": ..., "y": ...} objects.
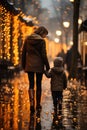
[
  {"x": 66, "y": 25},
  {"x": 79, "y": 36}
]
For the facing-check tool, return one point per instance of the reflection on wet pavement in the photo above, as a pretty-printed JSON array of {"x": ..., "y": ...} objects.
[{"x": 15, "y": 113}]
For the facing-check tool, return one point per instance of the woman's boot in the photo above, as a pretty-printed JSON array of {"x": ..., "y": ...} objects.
[
  {"x": 38, "y": 100},
  {"x": 31, "y": 98}
]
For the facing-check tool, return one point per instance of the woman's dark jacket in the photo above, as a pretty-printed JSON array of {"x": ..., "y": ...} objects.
[
  {"x": 34, "y": 56},
  {"x": 58, "y": 78}
]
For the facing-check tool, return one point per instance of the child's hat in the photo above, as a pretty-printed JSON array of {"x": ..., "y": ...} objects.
[{"x": 58, "y": 61}]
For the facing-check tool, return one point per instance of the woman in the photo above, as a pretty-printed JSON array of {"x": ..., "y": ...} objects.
[{"x": 34, "y": 59}]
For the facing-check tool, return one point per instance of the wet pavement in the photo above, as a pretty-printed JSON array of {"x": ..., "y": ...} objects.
[{"x": 15, "y": 112}]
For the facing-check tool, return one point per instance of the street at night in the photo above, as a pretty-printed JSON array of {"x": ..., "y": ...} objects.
[
  {"x": 15, "y": 113},
  {"x": 43, "y": 64}
]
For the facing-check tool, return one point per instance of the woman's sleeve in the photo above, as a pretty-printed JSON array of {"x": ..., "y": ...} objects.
[
  {"x": 44, "y": 56},
  {"x": 48, "y": 73}
]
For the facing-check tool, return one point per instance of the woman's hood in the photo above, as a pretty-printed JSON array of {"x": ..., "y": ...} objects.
[
  {"x": 34, "y": 39},
  {"x": 35, "y": 36}
]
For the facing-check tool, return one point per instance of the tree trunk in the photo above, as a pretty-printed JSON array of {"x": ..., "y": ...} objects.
[{"x": 73, "y": 70}]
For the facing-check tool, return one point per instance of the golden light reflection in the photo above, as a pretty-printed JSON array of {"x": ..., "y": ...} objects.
[{"x": 16, "y": 104}]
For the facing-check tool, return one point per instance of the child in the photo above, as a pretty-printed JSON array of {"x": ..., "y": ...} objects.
[{"x": 58, "y": 83}]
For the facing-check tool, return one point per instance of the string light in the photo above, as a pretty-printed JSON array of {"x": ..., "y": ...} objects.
[
  {"x": 10, "y": 27},
  {"x": 5, "y": 34}
]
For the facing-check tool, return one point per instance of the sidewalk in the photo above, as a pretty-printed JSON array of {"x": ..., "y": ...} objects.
[{"x": 15, "y": 113}]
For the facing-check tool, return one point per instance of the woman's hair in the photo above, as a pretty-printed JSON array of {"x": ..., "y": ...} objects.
[{"x": 41, "y": 30}]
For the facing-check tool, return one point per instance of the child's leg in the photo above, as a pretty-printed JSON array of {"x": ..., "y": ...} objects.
[
  {"x": 60, "y": 101},
  {"x": 54, "y": 97}
]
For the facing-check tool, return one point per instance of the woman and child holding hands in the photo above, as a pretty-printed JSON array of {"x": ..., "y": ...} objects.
[{"x": 35, "y": 64}]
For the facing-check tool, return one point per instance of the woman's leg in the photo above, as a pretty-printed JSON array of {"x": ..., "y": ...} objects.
[
  {"x": 38, "y": 89},
  {"x": 31, "y": 91},
  {"x": 31, "y": 80}
]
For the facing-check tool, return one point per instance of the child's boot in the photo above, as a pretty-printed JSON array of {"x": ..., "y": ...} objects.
[
  {"x": 55, "y": 109},
  {"x": 60, "y": 107}
]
